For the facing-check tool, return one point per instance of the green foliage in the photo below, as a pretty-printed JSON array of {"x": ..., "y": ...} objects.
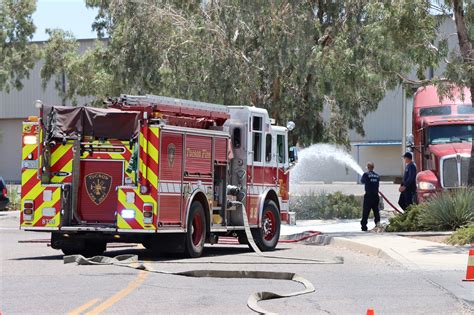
[
  {"x": 17, "y": 56},
  {"x": 449, "y": 210},
  {"x": 462, "y": 236},
  {"x": 446, "y": 211},
  {"x": 326, "y": 206},
  {"x": 408, "y": 221},
  {"x": 84, "y": 72},
  {"x": 14, "y": 197},
  {"x": 291, "y": 57}
]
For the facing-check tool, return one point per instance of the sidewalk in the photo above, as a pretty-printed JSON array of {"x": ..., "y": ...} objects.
[
  {"x": 413, "y": 253},
  {"x": 442, "y": 265}
]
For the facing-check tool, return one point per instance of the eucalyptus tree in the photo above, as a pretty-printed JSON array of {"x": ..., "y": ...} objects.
[
  {"x": 17, "y": 56},
  {"x": 294, "y": 58}
]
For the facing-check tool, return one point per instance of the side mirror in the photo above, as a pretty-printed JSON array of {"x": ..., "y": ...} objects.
[
  {"x": 293, "y": 155},
  {"x": 290, "y": 125}
]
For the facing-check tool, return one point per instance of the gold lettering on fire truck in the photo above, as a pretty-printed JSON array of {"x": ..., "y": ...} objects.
[
  {"x": 98, "y": 186},
  {"x": 198, "y": 153},
  {"x": 171, "y": 152}
]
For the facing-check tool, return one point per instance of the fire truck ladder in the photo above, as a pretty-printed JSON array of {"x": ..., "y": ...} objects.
[{"x": 172, "y": 104}]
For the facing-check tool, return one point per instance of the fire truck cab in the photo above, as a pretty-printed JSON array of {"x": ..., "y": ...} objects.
[{"x": 154, "y": 170}]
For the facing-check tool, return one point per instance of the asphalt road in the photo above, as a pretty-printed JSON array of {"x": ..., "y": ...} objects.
[{"x": 34, "y": 280}]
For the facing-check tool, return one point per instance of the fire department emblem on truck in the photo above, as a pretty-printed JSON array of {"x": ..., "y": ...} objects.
[
  {"x": 98, "y": 186},
  {"x": 171, "y": 152}
]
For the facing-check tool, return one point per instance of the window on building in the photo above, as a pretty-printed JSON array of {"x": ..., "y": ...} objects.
[{"x": 268, "y": 147}]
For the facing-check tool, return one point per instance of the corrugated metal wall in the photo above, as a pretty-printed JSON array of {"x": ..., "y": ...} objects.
[
  {"x": 10, "y": 149},
  {"x": 20, "y": 104}
]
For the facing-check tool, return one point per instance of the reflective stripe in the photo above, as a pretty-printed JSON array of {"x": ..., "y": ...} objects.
[{"x": 170, "y": 188}]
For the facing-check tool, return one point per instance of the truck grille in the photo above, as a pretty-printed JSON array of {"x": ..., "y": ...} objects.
[{"x": 450, "y": 172}]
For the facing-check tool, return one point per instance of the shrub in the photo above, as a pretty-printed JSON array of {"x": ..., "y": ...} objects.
[
  {"x": 326, "y": 206},
  {"x": 408, "y": 221},
  {"x": 463, "y": 236},
  {"x": 449, "y": 210},
  {"x": 14, "y": 197}
]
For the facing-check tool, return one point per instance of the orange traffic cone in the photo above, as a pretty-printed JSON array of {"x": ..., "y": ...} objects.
[
  {"x": 370, "y": 311},
  {"x": 470, "y": 266}
]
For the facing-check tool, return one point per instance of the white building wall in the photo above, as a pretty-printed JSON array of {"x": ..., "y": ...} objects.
[
  {"x": 10, "y": 149},
  {"x": 15, "y": 107}
]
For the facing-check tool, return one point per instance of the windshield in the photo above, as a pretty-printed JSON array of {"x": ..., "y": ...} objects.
[{"x": 450, "y": 134}]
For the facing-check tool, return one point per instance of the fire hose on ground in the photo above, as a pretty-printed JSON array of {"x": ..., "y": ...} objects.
[
  {"x": 391, "y": 204},
  {"x": 131, "y": 261}
]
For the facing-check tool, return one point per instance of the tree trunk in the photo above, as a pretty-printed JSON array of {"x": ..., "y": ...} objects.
[{"x": 468, "y": 56}]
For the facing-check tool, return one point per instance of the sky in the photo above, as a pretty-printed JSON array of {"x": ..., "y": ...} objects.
[{"x": 70, "y": 15}]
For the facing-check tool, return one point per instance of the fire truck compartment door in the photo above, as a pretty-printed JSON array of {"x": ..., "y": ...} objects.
[
  {"x": 97, "y": 195},
  {"x": 171, "y": 179}
]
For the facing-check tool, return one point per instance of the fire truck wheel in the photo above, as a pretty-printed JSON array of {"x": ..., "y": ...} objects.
[
  {"x": 267, "y": 236},
  {"x": 196, "y": 234},
  {"x": 94, "y": 248},
  {"x": 71, "y": 251},
  {"x": 242, "y": 238},
  {"x": 87, "y": 249}
]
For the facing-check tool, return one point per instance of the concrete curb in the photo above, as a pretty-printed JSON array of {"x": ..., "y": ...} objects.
[
  {"x": 337, "y": 241},
  {"x": 363, "y": 248},
  {"x": 321, "y": 239}
]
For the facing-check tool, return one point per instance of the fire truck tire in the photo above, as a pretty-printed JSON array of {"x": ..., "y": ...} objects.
[
  {"x": 242, "y": 238},
  {"x": 266, "y": 237},
  {"x": 94, "y": 248},
  {"x": 196, "y": 234},
  {"x": 86, "y": 249}
]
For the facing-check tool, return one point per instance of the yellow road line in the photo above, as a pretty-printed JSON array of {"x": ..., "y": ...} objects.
[
  {"x": 84, "y": 307},
  {"x": 142, "y": 275}
]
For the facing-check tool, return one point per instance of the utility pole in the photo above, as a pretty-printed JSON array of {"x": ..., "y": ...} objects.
[{"x": 404, "y": 122}]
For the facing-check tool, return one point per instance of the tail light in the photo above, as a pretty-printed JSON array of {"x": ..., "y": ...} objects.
[
  {"x": 148, "y": 213},
  {"x": 30, "y": 139},
  {"x": 28, "y": 210},
  {"x": 4, "y": 191}
]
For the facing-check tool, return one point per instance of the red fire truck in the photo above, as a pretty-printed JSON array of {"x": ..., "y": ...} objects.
[
  {"x": 442, "y": 145},
  {"x": 156, "y": 171}
]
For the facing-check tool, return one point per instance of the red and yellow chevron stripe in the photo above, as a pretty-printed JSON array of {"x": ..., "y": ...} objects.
[
  {"x": 46, "y": 211},
  {"x": 136, "y": 223},
  {"x": 149, "y": 144}
]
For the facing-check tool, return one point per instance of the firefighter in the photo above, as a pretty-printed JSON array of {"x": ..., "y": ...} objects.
[
  {"x": 371, "y": 198},
  {"x": 408, "y": 187}
]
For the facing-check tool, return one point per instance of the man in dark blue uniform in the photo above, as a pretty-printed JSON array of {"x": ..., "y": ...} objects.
[
  {"x": 408, "y": 187},
  {"x": 371, "y": 198}
]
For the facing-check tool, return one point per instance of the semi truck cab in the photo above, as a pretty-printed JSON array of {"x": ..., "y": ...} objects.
[{"x": 442, "y": 142}]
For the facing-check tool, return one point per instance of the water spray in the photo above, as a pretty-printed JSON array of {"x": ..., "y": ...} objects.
[{"x": 317, "y": 158}]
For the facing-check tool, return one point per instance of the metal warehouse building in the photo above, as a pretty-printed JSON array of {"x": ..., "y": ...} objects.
[{"x": 381, "y": 144}]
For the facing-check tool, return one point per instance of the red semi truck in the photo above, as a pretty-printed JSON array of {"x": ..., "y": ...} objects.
[
  {"x": 154, "y": 170},
  {"x": 442, "y": 140}
]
